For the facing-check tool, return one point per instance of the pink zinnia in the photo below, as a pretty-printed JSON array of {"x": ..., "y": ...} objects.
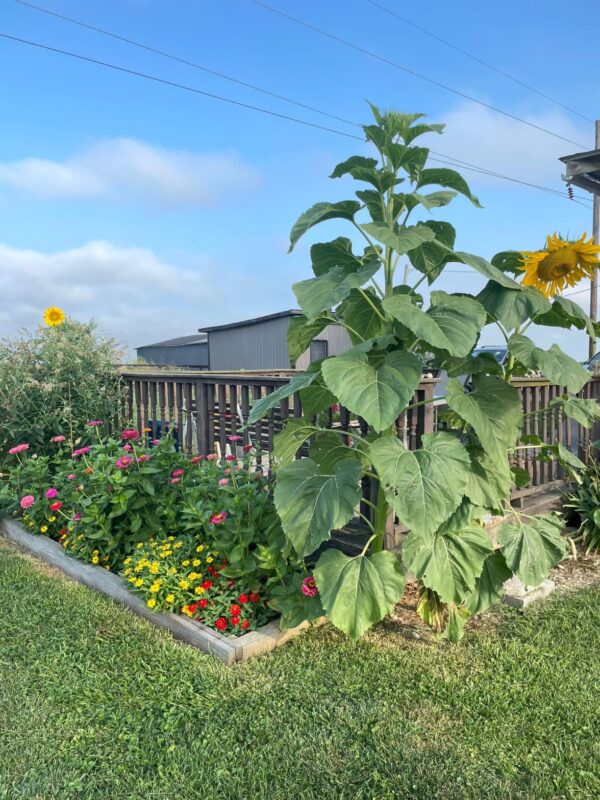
[
  {"x": 309, "y": 587},
  {"x": 51, "y": 493},
  {"x": 57, "y": 438},
  {"x": 223, "y": 482},
  {"x": 19, "y": 448},
  {"x": 212, "y": 456},
  {"x": 127, "y": 447},
  {"x": 27, "y": 501},
  {"x": 227, "y": 471},
  {"x": 155, "y": 442},
  {"x": 123, "y": 462},
  {"x": 234, "y": 438},
  {"x": 247, "y": 447},
  {"x": 230, "y": 458},
  {"x": 177, "y": 473},
  {"x": 144, "y": 457},
  {"x": 175, "y": 480},
  {"x": 71, "y": 477},
  {"x": 196, "y": 459},
  {"x": 130, "y": 433},
  {"x": 76, "y": 516},
  {"x": 218, "y": 519},
  {"x": 82, "y": 451},
  {"x": 94, "y": 423}
]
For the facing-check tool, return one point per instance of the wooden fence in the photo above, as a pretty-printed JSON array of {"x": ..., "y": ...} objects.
[{"x": 204, "y": 408}]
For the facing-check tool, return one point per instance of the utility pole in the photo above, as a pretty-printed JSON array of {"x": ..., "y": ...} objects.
[{"x": 596, "y": 233}]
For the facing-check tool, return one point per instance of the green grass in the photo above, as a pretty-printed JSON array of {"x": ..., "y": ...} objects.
[{"x": 95, "y": 703}]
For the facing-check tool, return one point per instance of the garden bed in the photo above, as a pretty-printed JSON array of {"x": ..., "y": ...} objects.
[{"x": 228, "y": 649}]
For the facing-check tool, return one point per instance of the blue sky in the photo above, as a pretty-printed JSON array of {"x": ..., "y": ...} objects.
[{"x": 156, "y": 210}]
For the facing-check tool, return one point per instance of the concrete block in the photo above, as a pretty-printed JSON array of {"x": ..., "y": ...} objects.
[{"x": 518, "y": 595}]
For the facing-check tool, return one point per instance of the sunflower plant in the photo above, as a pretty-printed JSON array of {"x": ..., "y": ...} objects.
[{"x": 442, "y": 490}]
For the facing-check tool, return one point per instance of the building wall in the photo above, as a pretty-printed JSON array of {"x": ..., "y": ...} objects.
[
  {"x": 337, "y": 340},
  {"x": 262, "y": 345},
  {"x": 188, "y": 355}
]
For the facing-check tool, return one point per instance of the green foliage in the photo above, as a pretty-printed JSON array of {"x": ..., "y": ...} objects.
[
  {"x": 584, "y": 503},
  {"x": 441, "y": 491},
  {"x": 53, "y": 381}
]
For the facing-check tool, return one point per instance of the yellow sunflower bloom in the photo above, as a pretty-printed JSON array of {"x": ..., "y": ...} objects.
[
  {"x": 560, "y": 265},
  {"x": 54, "y": 316}
]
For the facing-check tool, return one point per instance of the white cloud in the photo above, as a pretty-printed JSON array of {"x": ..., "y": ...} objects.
[
  {"x": 133, "y": 295},
  {"x": 128, "y": 170},
  {"x": 487, "y": 139}
]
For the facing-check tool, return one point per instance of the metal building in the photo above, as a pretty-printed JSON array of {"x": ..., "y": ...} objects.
[
  {"x": 261, "y": 344},
  {"x": 184, "y": 351}
]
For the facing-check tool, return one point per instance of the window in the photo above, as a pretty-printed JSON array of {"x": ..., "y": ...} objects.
[{"x": 318, "y": 349}]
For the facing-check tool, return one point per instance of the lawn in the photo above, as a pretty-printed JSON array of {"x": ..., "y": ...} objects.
[{"x": 95, "y": 703}]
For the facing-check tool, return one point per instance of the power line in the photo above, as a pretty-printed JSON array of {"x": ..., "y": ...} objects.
[
  {"x": 449, "y": 160},
  {"x": 180, "y": 60},
  {"x": 165, "y": 54},
  {"x": 412, "y": 72},
  {"x": 475, "y": 58},
  {"x": 177, "y": 85}
]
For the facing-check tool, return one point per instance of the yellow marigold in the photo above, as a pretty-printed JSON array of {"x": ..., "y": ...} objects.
[
  {"x": 172, "y": 571},
  {"x": 156, "y": 586},
  {"x": 183, "y": 584},
  {"x": 54, "y": 316},
  {"x": 560, "y": 264},
  {"x": 196, "y": 562},
  {"x": 127, "y": 571},
  {"x": 171, "y": 538},
  {"x": 199, "y": 589},
  {"x": 51, "y": 519},
  {"x": 185, "y": 610},
  {"x": 139, "y": 582},
  {"x": 139, "y": 544},
  {"x": 185, "y": 563},
  {"x": 43, "y": 529},
  {"x": 193, "y": 575},
  {"x": 95, "y": 559},
  {"x": 155, "y": 567},
  {"x": 170, "y": 598},
  {"x": 200, "y": 548},
  {"x": 127, "y": 560},
  {"x": 177, "y": 545},
  {"x": 151, "y": 603},
  {"x": 209, "y": 559}
]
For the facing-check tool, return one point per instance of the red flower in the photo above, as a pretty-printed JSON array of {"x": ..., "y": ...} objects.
[
  {"x": 211, "y": 570},
  {"x": 221, "y": 624},
  {"x": 203, "y": 603},
  {"x": 192, "y": 608},
  {"x": 230, "y": 458},
  {"x": 231, "y": 584},
  {"x": 254, "y": 597},
  {"x": 196, "y": 459},
  {"x": 206, "y": 584},
  {"x": 88, "y": 470},
  {"x": 55, "y": 506},
  {"x": 235, "y": 609},
  {"x": 130, "y": 433},
  {"x": 235, "y": 620},
  {"x": 247, "y": 447},
  {"x": 218, "y": 519},
  {"x": 243, "y": 598},
  {"x": 246, "y": 624},
  {"x": 63, "y": 531}
]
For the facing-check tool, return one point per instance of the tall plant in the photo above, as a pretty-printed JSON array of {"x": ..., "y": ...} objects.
[{"x": 442, "y": 490}]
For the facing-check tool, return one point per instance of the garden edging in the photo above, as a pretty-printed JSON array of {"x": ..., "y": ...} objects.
[{"x": 227, "y": 649}]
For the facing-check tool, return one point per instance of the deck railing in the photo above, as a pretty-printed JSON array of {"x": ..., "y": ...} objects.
[{"x": 205, "y": 408}]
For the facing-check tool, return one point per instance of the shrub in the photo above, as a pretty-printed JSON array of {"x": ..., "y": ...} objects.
[
  {"x": 584, "y": 503},
  {"x": 55, "y": 380}
]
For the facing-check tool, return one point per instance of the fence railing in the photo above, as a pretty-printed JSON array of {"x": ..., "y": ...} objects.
[{"x": 205, "y": 408}]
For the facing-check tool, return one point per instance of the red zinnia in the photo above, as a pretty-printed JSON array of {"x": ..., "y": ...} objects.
[
  {"x": 203, "y": 603},
  {"x": 55, "y": 506},
  {"x": 235, "y": 609},
  {"x": 192, "y": 608},
  {"x": 221, "y": 624},
  {"x": 243, "y": 598},
  {"x": 254, "y": 597},
  {"x": 206, "y": 584},
  {"x": 130, "y": 433},
  {"x": 235, "y": 620},
  {"x": 246, "y": 624}
]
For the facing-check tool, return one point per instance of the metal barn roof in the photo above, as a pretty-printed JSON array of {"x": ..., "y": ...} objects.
[
  {"x": 196, "y": 338},
  {"x": 291, "y": 312}
]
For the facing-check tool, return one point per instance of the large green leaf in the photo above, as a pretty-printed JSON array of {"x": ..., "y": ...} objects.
[
  {"x": 582, "y": 410},
  {"x": 353, "y": 163},
  {"x": 449, "y": 562},
  {"x": 452, "y": 323},
  {"x": 485, "y": 268},
  {"x": 328, "y": 448},
  {"x": 509, "y": 261},
  {"x": 434, "y": 199},
  {"x": 357, "y": 312},
  {"x": 403, "y": 239},
  {"x": 531, "y": 549},
  {"x": 337, "y": 253},
  {"x": 441, "y": 176},
  {"x": 431, "y": 257},
  {"x": 564, "y": 313},
  {"x": 490, "y": 480},
  {"x": 358, "y": 592},
  {"x": 556, "y": 366},
  {"x": 512, "y": 307},
  {"x": 346, "y": 209},
  {"x": 377, "y": 388},
  {"x": 301, "y": 333},
  {"x": 316, "y": 397},
  {"x": 265, "y": 404},
  {"x": 287, "y": 443},
  {"x": 311, "y": 504},
  {"x": 489, "y": 586},
  {"x": 423, "y": 487},
  {"x": 316, "y": 295},
  {"x": 493, "y": 409}
]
